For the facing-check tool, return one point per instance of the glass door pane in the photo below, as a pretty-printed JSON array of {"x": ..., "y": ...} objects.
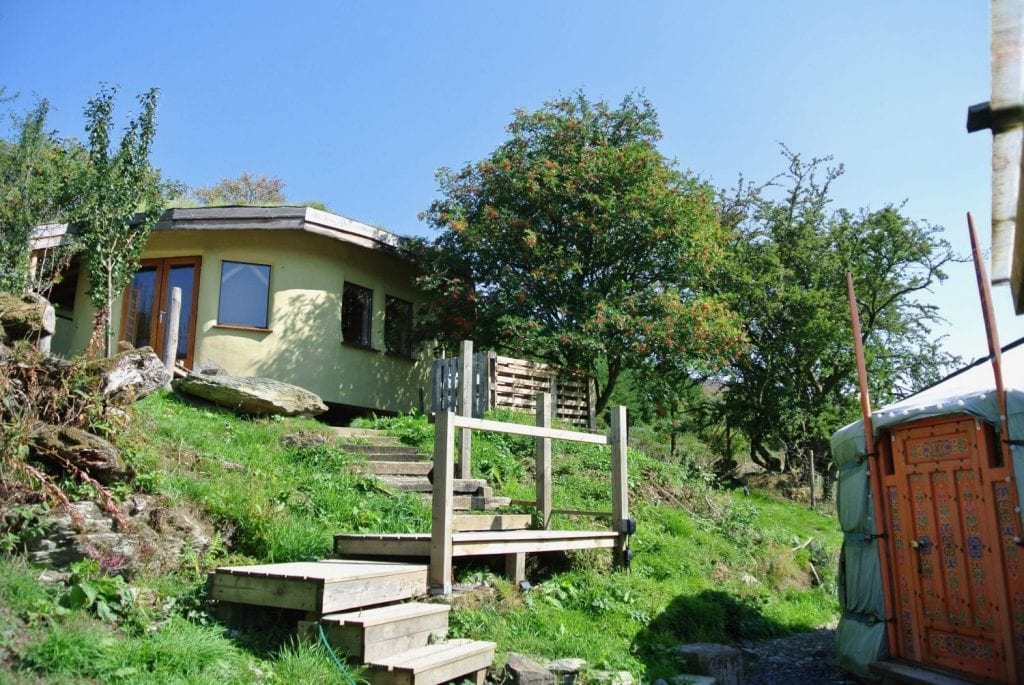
[
  {"x": 140, "y": 323},
  {"x": 182, "y": 276}
]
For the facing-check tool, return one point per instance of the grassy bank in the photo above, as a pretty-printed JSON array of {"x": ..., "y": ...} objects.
[{"x": 709, "y": 565}]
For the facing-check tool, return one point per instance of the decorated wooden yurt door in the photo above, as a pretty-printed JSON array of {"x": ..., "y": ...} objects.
[{"x": 954, "y": 547}]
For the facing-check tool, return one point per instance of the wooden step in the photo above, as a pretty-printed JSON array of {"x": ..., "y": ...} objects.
[
  {"x": 467, "y": 522},
  {"x": 479, "y": 502},
  {"x": 379, "y": 450},
  {"x": 466, "y": 486},
  {"x": 900, "y": 671},
  {"x": 472, "y": 543},
  {"x": 395, "y": 468},
  {"x": 371, "y": 634},
  {"x": 321, "y": 587},
  {"x": 434, "y": 664}
]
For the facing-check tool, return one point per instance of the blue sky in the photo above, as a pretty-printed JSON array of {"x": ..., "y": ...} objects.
[{"x": 356, "y": 104}]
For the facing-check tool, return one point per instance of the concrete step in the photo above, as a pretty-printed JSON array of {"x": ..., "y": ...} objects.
[
  {"x": 479, "y": 502},
  {"x": 465, "y": 486},
  {"x": 320, "y": 587},
  {"x": 472, "y": 522},
  {"x": 395, "y": 468},
  {"x": 377, "y": 633},
  {"x": 899, "y": 671},
  {"x": 434, "y": 664},
  {"x": 368, "y": 434}
]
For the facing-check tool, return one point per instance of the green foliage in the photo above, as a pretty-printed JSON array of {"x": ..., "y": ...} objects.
[
  {"x": 38, "y": 184},
  {"x": 786, "y": 277},
  {"x": 248, "y": 190},
  {"x": 89, "y": 588},
  {"x": 578, "y": 243},
  {"x": 123, "y": 198}
]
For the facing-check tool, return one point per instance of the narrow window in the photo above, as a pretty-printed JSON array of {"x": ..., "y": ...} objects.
[
  {"x": 397, "y": 326},
  {"x": 356, "y": 315},
  {"x": 244, "y": 294}
]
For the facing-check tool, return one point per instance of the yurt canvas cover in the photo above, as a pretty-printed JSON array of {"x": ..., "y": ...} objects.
[{"x": 861, "y": 635}]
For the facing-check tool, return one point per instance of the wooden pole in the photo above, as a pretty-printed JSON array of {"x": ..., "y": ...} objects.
[
  {"x": 874, "y": 470},
  {"x": 440, "y": 573},
  {"x": 543, "y": 454},
  {"x": 465, "y": 407},
  {"x": 171, "y": 336},
  {"x": 992, "y": 335},
  {"x": 620, "y": 484}
]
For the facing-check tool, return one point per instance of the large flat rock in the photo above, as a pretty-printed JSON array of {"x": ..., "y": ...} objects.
[{"x": 252, "y": 395}]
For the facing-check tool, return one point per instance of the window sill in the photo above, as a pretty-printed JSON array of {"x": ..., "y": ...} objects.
[
  {"x": 236, "y": 327},
  {"x": 399, "y": 355},
  {"x": 359, "y": 346}
]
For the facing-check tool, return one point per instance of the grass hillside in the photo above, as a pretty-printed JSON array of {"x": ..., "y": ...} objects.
[{"x": 709, "y": 565}]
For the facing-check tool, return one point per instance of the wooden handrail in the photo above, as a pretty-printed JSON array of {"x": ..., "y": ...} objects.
[{"x": 529, "y": 431}]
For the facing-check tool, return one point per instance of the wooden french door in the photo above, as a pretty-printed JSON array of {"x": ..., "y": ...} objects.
[
  {"x": 147, "y": 301},
  {"x": 954, "y": 547}
]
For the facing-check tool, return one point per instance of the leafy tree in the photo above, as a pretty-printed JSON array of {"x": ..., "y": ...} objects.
[
  {"x": 796, "y": 383},
  {"x": 123, "y": 198},
  {"x": 577, "y": 242},
  {"x": 248, "y": 189},
  {"x": 38, "y": 175}
]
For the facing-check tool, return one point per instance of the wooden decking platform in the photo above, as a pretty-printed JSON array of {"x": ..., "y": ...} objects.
[
  {"x": 319, "y": 587},
  {"x": 474, "y": 543}
]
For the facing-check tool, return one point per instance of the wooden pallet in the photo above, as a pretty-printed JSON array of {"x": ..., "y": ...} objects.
[
  {"x": 434, "y": 664},
  {"x": 319, "y": 587},
  {"x": 380, "y": 632}
]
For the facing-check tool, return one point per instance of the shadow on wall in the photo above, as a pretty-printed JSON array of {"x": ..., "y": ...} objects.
[
  {"x": 309, "y": 353},
  {"x": 709, "y": 616}
]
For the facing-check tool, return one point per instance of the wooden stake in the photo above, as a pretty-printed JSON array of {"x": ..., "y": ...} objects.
[
  {"x": 992, "y": 335},
  {"x": 543, "y": 456},
  {"x": 440, "y": 574},
  {"x": 620, "y": 484},
  {"x": 874, "y": 470},
  {"x": 465, "y": 407}
]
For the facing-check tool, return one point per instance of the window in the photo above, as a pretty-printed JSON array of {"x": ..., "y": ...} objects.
[
  {"x": 397, "y": 326},
  {"x": 356, "y": 315},
  {"x": 244, "y": 294}
]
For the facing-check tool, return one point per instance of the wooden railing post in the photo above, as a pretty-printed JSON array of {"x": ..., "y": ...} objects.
[
  {"x": 620, "y": 485},
  {"x": 465, "y": 407},
  {"x": 440, "y": 573},
  {"x": 171, "y": 335},
  {"x": 543, "y": 453}
]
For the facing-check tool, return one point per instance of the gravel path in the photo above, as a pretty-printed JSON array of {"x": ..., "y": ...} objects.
[{"x": 803, "y": 659}]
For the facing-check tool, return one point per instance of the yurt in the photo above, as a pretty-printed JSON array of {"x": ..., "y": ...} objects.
[{"x": 931, "y": 573}]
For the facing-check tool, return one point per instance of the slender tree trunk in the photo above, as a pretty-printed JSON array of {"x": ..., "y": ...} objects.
[{"x": 108, "y": 333}]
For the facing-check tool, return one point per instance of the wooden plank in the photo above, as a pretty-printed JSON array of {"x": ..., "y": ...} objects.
[
  {"x": 542, "y": 452},
  {"x": 378, "y": 633},
  {"x": 466, "y": 378},
  {"x": 282, "y": 593},
  {"x": 487, "y": 548},
  {"x": 361, "y": 593},
  {"x": 433, "y": 664},
  {"x": 440, "y": 576},
  {"x": 530, "y": 431},
  {"x": 582, "y": 512},
  {"x": 620, "y": 477},
  {"x": 417, "y": 546},
  {"x": 475, "y": 522}
]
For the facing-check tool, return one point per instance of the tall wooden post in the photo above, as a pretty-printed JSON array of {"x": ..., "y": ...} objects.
[
  {"x": 874, "y": 464},
  {"x": 439, "y": 576},
  {"x": 465, "y": 407},
  {"x": 543, "y": 454},
  {"x": 171, "y": 337},
  {"x": 620, "y": 484}
]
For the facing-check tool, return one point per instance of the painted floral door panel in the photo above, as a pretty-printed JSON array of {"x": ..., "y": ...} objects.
[{"x": 941, "y": 479}]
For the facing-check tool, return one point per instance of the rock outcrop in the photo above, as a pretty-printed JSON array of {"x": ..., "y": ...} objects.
[
  {"x": 252, "y": 395},
  {"x": 58, "y": 446},
  {"x": 132, "y": 374}
]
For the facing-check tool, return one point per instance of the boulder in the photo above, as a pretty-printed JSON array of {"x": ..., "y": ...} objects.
[
  {"x": 53, "y": 445},
  {"x": 252, "y": 395},
  {"x": 132, "y": 373},
  {"x": 522, "y": 670},
  {"x": 566, "y": 671},
  {"x": 723, "y": 662},
  {"x": 27, "y": 316}
]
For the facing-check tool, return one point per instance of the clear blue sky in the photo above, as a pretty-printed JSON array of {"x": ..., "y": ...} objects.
[{"x": 356, "y": 104}]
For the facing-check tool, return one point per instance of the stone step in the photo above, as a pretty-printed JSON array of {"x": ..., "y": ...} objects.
[
  {"x": 320, "y": 587},
  {"x": 466, "y": 486},
  {"x": 377, "y": 633},
  {"x": 404, "y": 450},
  {"x": 364, "y": 434},
  {"x": 479, "y": 502},
  {"x": 395, "y": 468},
  {"x": 473, "y": 522},
  {"x": 434, "y": 664}
]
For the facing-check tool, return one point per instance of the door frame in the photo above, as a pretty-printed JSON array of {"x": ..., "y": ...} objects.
[{"x": 163, "y": 266}]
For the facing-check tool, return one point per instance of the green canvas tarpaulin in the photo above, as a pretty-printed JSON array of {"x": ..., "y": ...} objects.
[{"x": 861, "y": 636}]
